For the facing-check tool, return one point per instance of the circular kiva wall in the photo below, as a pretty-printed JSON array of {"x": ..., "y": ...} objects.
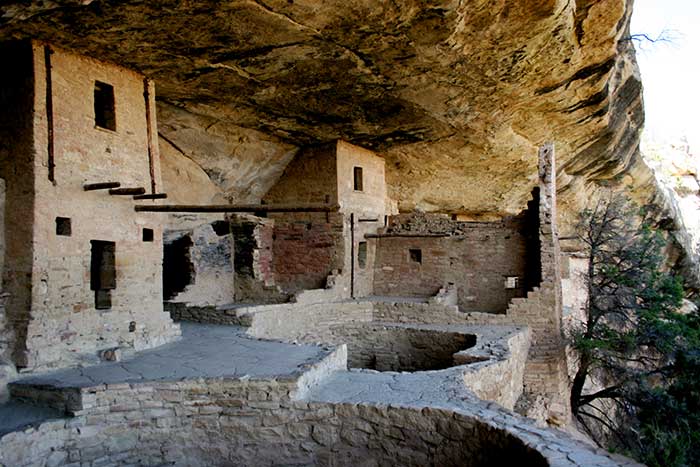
[
  {"x": 397, "y": 348},
  {"x": 254, "y": 423}
]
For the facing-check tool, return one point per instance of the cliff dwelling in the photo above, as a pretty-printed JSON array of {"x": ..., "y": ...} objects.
[{"x": 206, "y": 278}]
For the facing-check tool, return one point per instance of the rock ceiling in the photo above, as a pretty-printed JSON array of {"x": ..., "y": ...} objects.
[{"x": 456, "y": 95}]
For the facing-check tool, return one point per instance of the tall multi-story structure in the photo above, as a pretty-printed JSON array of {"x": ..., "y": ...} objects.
[{"x": 82, "y": 270}]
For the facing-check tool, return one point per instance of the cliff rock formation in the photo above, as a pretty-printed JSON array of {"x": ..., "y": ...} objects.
[{"x": 455, "y": 95}]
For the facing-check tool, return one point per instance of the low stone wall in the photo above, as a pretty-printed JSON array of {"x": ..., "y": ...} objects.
[
  {"x": 362, "y": 325},
  {"x": 373, "y": 345},
  {"x": 497, "y": 364},
  {"x": 320, "y": 322},
  {"x": 224, "y": 422},
  {"x": 433, "y": 313},
  {"x": 202, "y": 314},
  {"x": 430, "y": 337}
]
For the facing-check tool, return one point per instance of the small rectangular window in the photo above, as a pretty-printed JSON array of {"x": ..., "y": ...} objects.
[
  {"x": 63, "y": 226},
  {"x": 415, "y": 255},
  {"x": 147, "y": 235},
  {"x": 104, "y": 106},
  {"x": 357, "y": 176},
  {"x": 362, "y": 254}
]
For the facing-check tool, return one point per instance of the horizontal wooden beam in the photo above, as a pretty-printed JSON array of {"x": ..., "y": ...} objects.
[
  {"x": 101, "y": 186},
  {"x": 240, "y": 208},
  {"x": 410, "y": 235},
  {"x": 152, "y": 196},
  {"x": 127, "y": 191}
]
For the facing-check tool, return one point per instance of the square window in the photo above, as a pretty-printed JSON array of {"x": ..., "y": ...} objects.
[
  {"x": 104, "y": 106},
  {"x": 416, "y": 255},
  {"x": 362, "y": 254},
  {"x": 147, "y": 235},
  {"x": 357, "y": 178},
  {"x": 63, "y": 226}
]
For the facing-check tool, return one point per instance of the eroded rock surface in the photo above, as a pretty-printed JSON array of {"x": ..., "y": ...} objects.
[{"x": 456, "y": 95}]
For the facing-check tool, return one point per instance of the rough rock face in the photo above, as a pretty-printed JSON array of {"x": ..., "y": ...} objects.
[{"x": 456, "y": 95}]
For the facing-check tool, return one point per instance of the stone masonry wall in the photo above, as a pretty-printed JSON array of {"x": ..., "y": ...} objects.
[
  {"x": 306, "y": 322},
  {"x": 546, "y": 373},
  {"x": 371, "y": 200},
  {"x": 306, "y": 249},
  {"x": 256, "y": 423},
  {"x": 364, "y": 210},
  {"x": 57, "y": 323},
  {"x": 326, "y": 174},
  {"x": 475, "y": 257},
  {"x": 309, "y": 178},
  {"x": 386, "y": 347},
  {"x": 254, "y": 262},
  {"x": 496, "y": 358},
  {"x": 372, "y": 345}
]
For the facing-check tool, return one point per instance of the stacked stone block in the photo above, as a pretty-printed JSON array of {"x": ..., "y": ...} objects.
[
  {"x": 541, "y": 310},
  {"x": 475, "y": 258}
]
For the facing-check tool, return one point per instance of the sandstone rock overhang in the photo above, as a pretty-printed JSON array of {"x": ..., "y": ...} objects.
[{"x": 456, "y": 95}]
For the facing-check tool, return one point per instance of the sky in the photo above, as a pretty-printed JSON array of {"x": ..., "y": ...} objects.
[{"x": 670, "y": 71}]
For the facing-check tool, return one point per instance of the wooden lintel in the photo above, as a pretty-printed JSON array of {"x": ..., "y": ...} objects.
[
  {"x": 101, "y": 186},
  {"x": 152, "y": 196},
  {"x": 241, "y": 208},
  {"x": 127, "y": 191},
  {"x": 410, "y": 235},
  {"x": 367, "y": 220}
]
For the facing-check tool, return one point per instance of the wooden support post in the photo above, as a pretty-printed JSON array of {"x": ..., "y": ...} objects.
[
  {"x": 49, "y": 114},
  {"x": 101, "y": 186},
  {"x": 127, "y": 191},
  {"x": 241, "y": 208}
]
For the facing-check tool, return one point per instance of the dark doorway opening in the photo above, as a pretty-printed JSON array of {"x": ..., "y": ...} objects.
[
  {"x": 178, "y": 270},
  {"x": 103, "y": 274}
]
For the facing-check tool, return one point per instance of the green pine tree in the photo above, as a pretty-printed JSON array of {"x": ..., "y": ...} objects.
[{"x": 637, "y": 385}]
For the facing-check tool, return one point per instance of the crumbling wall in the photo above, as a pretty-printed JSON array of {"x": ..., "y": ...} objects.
[
  {"x": 546, "y": 372},
  {"x": 210, "y": 254},
  {"x": 255, "y": 280},
  {"x": 421, "y": 253}
]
